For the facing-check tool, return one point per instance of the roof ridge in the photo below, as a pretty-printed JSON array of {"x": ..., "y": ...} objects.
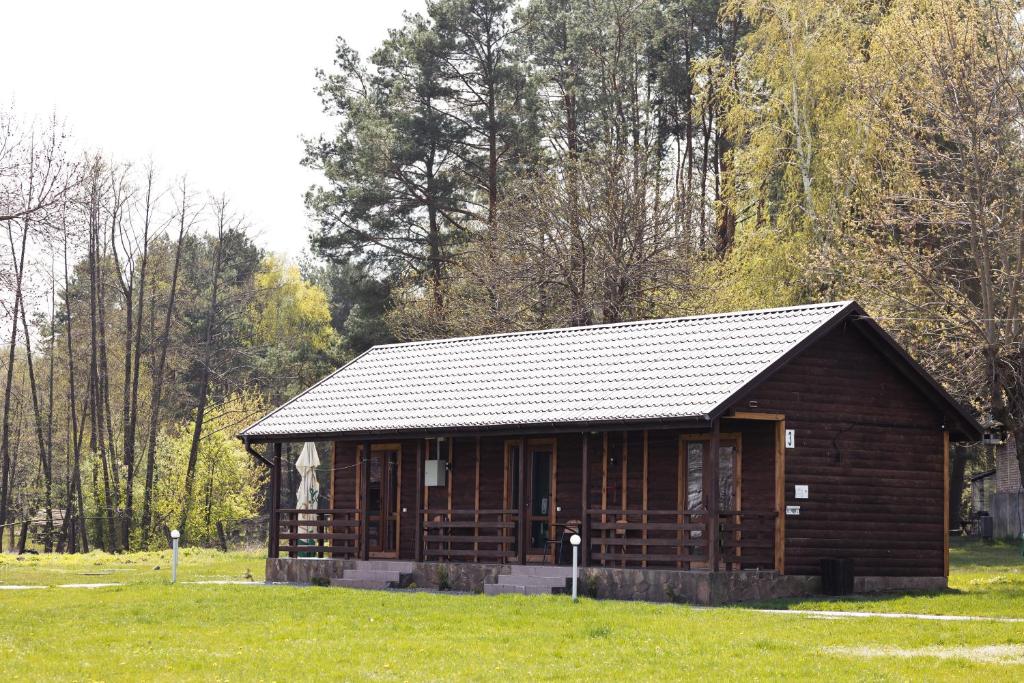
[{"x": 627, "y": 323}]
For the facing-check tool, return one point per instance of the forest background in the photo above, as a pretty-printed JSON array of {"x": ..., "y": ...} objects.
[{"x": 504, "y": 165}]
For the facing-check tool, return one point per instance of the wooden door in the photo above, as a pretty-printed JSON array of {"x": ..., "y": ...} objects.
[
  {"x": 383, "y": 500},
  {"x": 539, "y": 491},
  {"x": 692, "y": 451}
]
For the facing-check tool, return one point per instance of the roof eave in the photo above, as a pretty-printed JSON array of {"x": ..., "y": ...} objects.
[{"x": 696, "y": 421}]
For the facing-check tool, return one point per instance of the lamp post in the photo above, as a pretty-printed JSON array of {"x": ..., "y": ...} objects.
[
  {"x": 575, "y": 540},
  {"x": 175, "y": 535}
]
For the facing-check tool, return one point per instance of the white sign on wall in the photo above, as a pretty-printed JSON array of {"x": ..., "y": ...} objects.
[
  {"x": 792, "y": 510},
  {"x": 802, "y": 491}
]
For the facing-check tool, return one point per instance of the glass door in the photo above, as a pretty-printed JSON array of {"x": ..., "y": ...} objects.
[
  {"x": 538, "y": 488},
  {"x": 694, "y": 450},
  {"x": 538, "y": 496},
  {"x": 382, "y": 501}
]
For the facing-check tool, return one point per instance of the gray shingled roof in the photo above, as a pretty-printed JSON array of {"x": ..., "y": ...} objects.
[{"x": 674, "y": 368}]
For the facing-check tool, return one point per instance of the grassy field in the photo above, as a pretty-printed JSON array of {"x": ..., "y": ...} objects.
[
  {"x": 147, "y": 629},
  {"x": 985, "y": 580}
]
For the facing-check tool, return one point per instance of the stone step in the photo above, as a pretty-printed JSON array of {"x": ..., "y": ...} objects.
[
  {"x": 531, "y": 580},
  {"x": 402, "y": 566},
  {"x": 361, "y": 583},
  {"x": 503, "y": 588},
  {"x": 549, "y": 570},
  {"x": 373, "y": 575}
]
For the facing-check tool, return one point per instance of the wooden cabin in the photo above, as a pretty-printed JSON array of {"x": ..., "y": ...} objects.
[{"x": 707, "y": 459}]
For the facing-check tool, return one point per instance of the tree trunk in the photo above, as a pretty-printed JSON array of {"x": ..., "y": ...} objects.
[
  {"x": 204, "y": 382},
  {"x": 158, "y": 377},
  {"x": 5, "y": 429},
  {"x": 132, "y": 368},
  {"x": 96, "y": 436},
  {"x": 44, "y": 461},
  {"x": 76, "y": 433}
]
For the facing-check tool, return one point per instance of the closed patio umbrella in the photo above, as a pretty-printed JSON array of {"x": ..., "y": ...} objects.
[{"x": 308, "y": 495}]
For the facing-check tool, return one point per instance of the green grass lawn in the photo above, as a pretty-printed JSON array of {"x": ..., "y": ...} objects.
[
  {"x": 194, "y": 564},
  {"x": 984, "y": 580},
  {"x": 150, "y": 630}
]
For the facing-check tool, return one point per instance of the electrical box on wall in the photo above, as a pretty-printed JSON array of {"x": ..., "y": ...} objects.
[
  {"x": 792, "y": 510},
  {"x": 790, "y": 438},
  {"x": 435, "y": 472}
]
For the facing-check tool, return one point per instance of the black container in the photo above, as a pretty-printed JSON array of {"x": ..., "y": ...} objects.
[
  {"x": 837, "y": 576},
  {"x": 985, "y": 527}
]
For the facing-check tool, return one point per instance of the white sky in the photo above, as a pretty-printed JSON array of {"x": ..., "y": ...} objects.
[{"x": 222, "y": 89}]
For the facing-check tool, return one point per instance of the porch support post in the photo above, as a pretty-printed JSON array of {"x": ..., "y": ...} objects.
[
  {"x": 711, "y": 494},
  {"x": 945, "y": 503},
  {"x": 275, "y": 504},
  {"x": 418, "y": 510},
  {"x": 780, "y": 496},
  {"x": 364, "y": 490},
  {"x": 521, "y": 504},
  {"x": 585, "y": 519}
]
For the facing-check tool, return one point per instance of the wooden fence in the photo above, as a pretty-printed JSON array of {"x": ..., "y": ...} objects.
[
  {"x": 470, "y": 535},
  {"x": 317, "y": 533}
]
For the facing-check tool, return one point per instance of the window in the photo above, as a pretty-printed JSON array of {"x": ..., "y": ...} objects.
[{"x": 728, "y": 455}]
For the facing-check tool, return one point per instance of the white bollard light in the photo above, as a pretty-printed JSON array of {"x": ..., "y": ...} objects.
[
  {"x": 175, "y": 535},
  {"x": 575, "y": 540}
]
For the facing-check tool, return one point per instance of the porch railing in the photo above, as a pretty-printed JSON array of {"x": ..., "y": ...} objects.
[
  {"x": 647, "y": 538},
  {"x": 470, "y": 535},
  {"x": 613, "y": 538},
  {"x": 747, "y": 539},
  {"x": 317, "y": 533}
]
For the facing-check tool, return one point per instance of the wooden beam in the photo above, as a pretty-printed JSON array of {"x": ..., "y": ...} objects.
[
  {"x": 334, "y": 470},
  {"x": 625, "y": 473},
  {"x": 585, "y": 498},
  {"x": 945, "y": 503},
  {"x": 742, "y": 415},
  {"x": 426, "y": 489},
  {"x": 680, "y": 492},
  {"x": 476, "y": 499},
  {"x": 275, "y": 503},
  {"x": 357, "y": 482},
  {"x": 450, "y": 479},
  {"x": 521, "y": 504},
  {"x": 364, "y": 513},
  {"x": 553, "y": 504},
  {"x": 506, "y": 483},
  {"x": 418, "y": 545},
  {"x": 780, "y": 497},
  {"x": 711, "y": 493},
  {"x": 644, "y": 497},
  {"x": 604, "y": 488},
  {"x": 398, "y": 503},
  {"x": 451, "y": 472},
  {"x": 625, "y": 478}
]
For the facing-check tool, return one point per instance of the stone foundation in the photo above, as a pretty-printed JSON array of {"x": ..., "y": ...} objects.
[
  {"x": 695, "y": 587},
  {"x": 653, "y": 585}
]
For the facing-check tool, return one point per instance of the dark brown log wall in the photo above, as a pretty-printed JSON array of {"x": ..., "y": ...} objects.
[{"x": 870, "y": 447}]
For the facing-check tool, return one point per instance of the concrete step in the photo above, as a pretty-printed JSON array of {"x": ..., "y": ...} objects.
[
  {"x": 387, "y": 565},
  {"x": 503, "y": 588},
  {"x": 361, "y": 583},
  {"x": 531, "y": 580},
  {"x": 550, "y": 570},
  {"x": 373, "y": 575}
]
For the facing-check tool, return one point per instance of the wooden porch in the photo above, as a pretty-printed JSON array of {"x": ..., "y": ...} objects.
[{"x": 638, "y": 498}]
